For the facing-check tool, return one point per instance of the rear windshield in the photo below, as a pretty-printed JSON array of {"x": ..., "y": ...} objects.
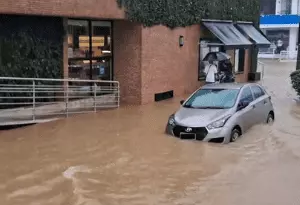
[{"x": 213, "y": 99}]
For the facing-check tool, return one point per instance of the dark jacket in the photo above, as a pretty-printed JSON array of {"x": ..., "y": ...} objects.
[{"x": 225, "y": 66}]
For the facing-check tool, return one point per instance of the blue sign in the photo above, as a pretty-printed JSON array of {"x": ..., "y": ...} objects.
[
  {"x": 279, "y": 19},
  {"x": 102, "y": 70}
]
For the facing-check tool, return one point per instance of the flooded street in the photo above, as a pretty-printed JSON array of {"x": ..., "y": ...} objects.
[{"x": 123, "y": 157}]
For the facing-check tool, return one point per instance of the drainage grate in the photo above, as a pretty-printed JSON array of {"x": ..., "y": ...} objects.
[{"x": 163, "y": 96}]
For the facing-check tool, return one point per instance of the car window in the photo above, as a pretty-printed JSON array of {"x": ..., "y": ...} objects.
[
  {"x": 257, "y": 91},
  {"x": 246, "y": 95}
]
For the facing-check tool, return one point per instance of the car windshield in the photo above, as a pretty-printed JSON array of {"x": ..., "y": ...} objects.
[{"x": 212, "y": 99}]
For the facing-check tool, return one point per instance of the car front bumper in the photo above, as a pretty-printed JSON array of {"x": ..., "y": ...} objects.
[{"x": 209, "y": 135}]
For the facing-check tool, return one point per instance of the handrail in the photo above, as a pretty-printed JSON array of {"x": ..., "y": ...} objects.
[
  {"x": 40, "y": 99},
  {"x": 288, "y": 56},
  {"x": 58, "y": 80}
]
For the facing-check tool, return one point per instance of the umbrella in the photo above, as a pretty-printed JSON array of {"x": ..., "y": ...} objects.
[{"x": 217, "y": 56}]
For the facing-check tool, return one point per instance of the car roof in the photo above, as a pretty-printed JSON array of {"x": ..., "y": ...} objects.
[{"x": 226, "y": 85}]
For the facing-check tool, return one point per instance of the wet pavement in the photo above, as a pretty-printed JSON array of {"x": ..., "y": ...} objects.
[{"x": 123, "y": 157}]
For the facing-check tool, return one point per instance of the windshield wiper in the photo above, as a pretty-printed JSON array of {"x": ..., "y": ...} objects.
[
  {"x": 188, "y": 106},
  {"x": 211, "y": 107}
]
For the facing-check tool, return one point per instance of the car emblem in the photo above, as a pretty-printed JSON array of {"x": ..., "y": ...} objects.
[{"x": 188, "y": 129}]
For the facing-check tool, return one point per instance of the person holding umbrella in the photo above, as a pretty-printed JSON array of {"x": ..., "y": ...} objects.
[
  {"x": 223, "y": 60},
  {"x": 210, "y": 70}
]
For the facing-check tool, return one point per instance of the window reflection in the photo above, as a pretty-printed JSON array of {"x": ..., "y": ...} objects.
[
  {"x": 78, "y": 39},
  {"x": 102, "y": 69},
  {"x": 79, "y": 69},
  {"x": 101, "y": 38}
]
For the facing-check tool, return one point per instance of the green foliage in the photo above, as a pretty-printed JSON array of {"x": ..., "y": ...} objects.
[
  {"x": 295, "y": 79},
  {"x": 30, "y": 47},
  {"x": 26, "y": 56},
  {"x": 181, "y": 13}
]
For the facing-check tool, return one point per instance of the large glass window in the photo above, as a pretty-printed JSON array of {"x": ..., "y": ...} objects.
[
  {"x": 267, "y": 7},
  {"x": 279, "y": 39},
  {"x": 89, "y": 49},
  {"x": 101, "y": 50},
  {"x": 78, "y": 39},
  {"x": 204, "y": 49}
]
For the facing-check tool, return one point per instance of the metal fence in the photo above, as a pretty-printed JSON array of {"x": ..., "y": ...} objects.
[
  {"x": 283, "y": 56},
  {"x": 288, "y": 56},
  {"x": 267, "y": 53},
  {"x": 32, "y": 100}
]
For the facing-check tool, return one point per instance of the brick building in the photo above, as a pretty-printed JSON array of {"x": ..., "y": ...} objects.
[{"x": 99, "y": 43}]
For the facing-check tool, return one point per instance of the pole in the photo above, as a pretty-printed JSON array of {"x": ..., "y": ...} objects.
[
  {"x": 298, "y": 53},
  {"x": 33, "y": 100}
]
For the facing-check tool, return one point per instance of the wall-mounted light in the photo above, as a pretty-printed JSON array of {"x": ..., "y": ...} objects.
[{"x": 181, "y": 41}]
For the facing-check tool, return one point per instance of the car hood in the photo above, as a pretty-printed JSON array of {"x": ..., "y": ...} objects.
[{"x": 199, "y": 117}]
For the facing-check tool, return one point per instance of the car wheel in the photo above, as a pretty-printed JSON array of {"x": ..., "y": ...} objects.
[
  {"x": 270, "y": 118},
  {"x": 235, "y": 134}
]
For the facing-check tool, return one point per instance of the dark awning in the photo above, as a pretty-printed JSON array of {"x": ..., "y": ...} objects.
[
  {"x": 255, "y": 34},
  {"x": 227, "y": 33}
]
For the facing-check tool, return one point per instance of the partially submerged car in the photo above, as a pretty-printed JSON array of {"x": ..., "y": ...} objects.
[{"x": 221, "y": 111}]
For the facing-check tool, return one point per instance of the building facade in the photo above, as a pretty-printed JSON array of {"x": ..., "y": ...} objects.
[
  {"x": 98, "y": 42},
  {"x": 280, "y": 21}
]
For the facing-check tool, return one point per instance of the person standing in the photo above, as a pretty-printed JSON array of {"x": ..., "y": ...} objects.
[
  {"x": 225, "y": 69},
  {"x": 211, "y": 71}
]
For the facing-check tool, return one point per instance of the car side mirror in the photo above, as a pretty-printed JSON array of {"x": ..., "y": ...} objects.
[
  {"x": 181, "y": 102},
  {"x": 243, "y": 104}
]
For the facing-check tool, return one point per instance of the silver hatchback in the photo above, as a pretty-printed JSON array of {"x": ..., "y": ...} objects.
[{"x": 221, "y": 111}]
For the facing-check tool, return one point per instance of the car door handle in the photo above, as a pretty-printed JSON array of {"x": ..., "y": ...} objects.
[
  {"x": 253, "y": 106},
  {"x": 265, "y": 102}
]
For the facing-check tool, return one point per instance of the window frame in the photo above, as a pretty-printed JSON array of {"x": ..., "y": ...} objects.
[
  {"x": 209, "y": 42},
  {"x": 90, "y": 33}
]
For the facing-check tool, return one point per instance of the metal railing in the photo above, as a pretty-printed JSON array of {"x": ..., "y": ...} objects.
[
  {"x": 261, "y": 68},
  {"x": 288, "y": 56},
  {"x": 283, "y": 56},
  {"x": 32, "y": 100},
  {"x": 268, "y": 53}
]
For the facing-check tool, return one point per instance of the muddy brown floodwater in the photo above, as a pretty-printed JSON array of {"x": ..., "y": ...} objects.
[{"x": 122, "y": 157}]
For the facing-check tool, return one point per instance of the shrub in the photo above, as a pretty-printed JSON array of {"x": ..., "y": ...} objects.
[
  {"x": 30, "y": 47},
  {"x": 295, "y": 79},
  {"x": 181, "y": 13}
]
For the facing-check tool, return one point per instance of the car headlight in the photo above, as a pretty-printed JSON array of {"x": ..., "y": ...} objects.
[
  {"x": 218, "y": 123},
  {"x": 172, "y": 120}
]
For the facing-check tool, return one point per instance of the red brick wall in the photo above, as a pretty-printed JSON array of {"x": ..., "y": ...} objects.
[
  {"x": 165, "y": 65},
  {"x": 127, "y": 60},
  {"x": 71, "y": 8}
]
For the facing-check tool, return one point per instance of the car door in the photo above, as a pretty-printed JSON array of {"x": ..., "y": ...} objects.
[
  {"x": 261, "y": 102},
  {"x": 246, "y": 116}
]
